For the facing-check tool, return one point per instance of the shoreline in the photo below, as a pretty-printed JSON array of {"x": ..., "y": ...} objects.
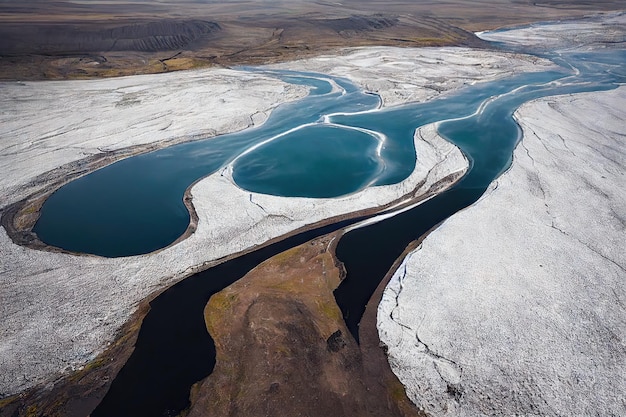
[
  {"x": 94, "y": 325},
  {"x": 481, "y": 318},
  {"x": 92, "y": 380},
  {"x": 19, "y": 218},
  {"x": 496, "y": 313}
]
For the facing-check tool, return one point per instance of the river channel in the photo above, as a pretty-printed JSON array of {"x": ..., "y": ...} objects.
[{"x": 135, "y": 206}]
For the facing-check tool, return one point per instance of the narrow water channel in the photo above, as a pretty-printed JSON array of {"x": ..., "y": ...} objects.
[
  {"x": 488, "y": 139},
  {"x": 135, "y": 206},
  {"x": 174, "y": 350}
]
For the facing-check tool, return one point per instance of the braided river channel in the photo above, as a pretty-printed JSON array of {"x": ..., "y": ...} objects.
[{"x": 333, "y": 142}]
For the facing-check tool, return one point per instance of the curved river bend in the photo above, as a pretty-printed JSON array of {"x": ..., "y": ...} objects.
[{"x": 115, "y": 210}]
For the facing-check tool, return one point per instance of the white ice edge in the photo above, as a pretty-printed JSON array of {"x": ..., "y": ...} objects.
[{"x": 83, "y": 301}]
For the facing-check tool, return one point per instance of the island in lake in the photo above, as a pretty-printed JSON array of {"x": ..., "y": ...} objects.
[{"x": 310, "y": 208}]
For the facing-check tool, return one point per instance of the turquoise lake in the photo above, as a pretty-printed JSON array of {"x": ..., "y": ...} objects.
[
  {"x": 307, "y": 148},
  {"x": 331, "y": 143}
]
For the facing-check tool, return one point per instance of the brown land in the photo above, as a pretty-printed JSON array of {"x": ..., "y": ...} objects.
[
  {"x": 283, "y": 347},
  {"x": 77, "y": 394},
  {"x": 279, "y": 335},
  {"x": 286, "y": 324},
  {"x": 74, "y": 39}
]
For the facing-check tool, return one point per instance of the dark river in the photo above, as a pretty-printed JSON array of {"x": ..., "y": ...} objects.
[{"x": 328, "y": 144}]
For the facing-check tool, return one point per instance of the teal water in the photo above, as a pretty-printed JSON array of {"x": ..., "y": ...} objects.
[
  {"x": 348, "y": 161},
  {"x": 135, "y": 206},
  {"x": 174, "y": 351},
  {"x": 488, "y": 140},
  {"x": 325, "y": 145}
]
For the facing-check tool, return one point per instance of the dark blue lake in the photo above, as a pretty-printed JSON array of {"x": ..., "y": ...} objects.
[{"x": 135, "y": 206}]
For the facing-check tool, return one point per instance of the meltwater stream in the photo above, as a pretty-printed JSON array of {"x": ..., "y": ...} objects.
[
  {"x": 333, "y": 142},
  {"x": 488, "y": 139},
  {"x": 135, "y": 206},
  {"x": 174, "y": 350}
]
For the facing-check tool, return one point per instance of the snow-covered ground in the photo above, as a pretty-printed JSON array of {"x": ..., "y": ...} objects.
[
  {"x": 47, "y": 124},
  {"x": 592, "y": 32},
  {"x": 57, "y": 311},
  {"x": 402, "y": 75},
  {"x": 517, "y": 305}
]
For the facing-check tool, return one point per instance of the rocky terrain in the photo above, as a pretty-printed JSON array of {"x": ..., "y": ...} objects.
[
  {"x": 163, "y": 35},
  {"x": 515, "y": 306},
  {"x": 68, "y": 39},
  {"x": 64, "y": 309}
]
